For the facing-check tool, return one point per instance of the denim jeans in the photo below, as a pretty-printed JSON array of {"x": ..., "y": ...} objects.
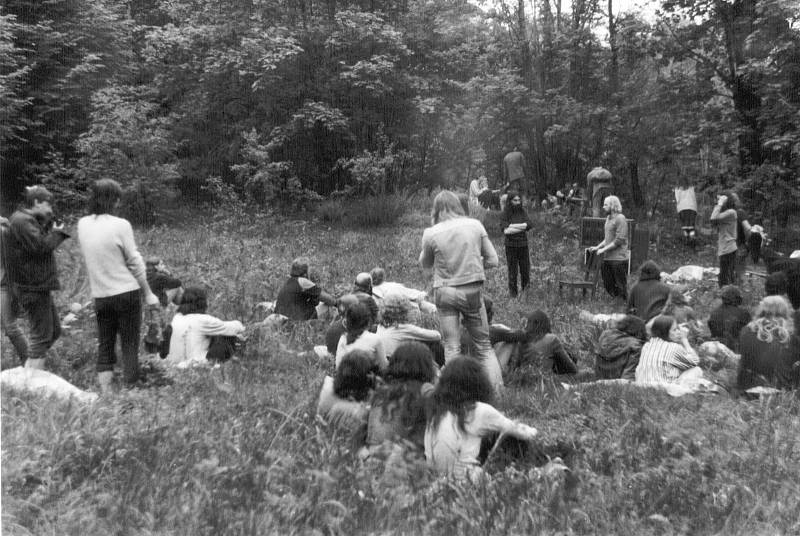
[
  {"x": 519, "y": 263},
  {"x": 466, "y": 301},
  {"x": 119, "y": 315},
  {"x": 9, "y": 309},
  {"x": 45, "y": 325}
]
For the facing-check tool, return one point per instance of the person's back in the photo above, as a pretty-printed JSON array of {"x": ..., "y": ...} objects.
[
  {"x": 726, "y": 323},
  {"x": 298, "y": 299},
  {"x": 617, "y": 355},
  {"x": 458, "y": 258},
  {"x": 548, "y": 354},
  {"x": 649, "y": 295},
  {"x": 514, "y": 166},
  {"x": 191, "y": 337}
]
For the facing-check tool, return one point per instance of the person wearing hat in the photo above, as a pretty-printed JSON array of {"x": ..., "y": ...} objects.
[
  {"x": 299, "y": 296},
  {"x": 32, "y": 275},
  {"x": 649, "y": 295}
]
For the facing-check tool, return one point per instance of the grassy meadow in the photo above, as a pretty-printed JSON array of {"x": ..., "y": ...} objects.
[{"x": 187, "y": 457}]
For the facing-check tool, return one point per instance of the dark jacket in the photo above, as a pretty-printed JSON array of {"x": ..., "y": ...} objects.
[
  {"x": 516, "y": 215},
  {"x": 649, "y": 295},
  {"x": 768, "y": 364},
  {"x": 298, "y": 299},
  {"x": 30, "y": 253},
  {"x": 549, "y": 353},
  {"x": 726, "y": 323},
  {"x": 160, "y": 283},
  {"x": 617, "y": 355}
]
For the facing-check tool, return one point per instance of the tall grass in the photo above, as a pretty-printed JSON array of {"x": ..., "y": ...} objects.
[{"x": 190, "y": 458}]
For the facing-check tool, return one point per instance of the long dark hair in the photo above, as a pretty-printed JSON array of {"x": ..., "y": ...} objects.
[
  {"x": 355, "y": 376},
  {"x": 512, "y": 209},
  {"x": 463, "y": 383},
  {"x": 538, "y": 325},
  {"x": 662, "y": 324},
  {"x": 633, "y": 326},
  {"x": 357, "y": 320},
  {"x": 410, "y": 367},
  {"x": 193, "y": 300}
]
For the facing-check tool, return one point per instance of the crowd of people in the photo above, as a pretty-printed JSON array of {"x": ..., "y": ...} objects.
[{"x": 400, "y": 388}]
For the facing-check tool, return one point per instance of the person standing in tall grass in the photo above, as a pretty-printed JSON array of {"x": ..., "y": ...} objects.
[
  {"x": 725, "y": 218},
  {"x": 614, "y": 248},
  {"x": 458, "y": 250},
  {"x": 516, "y": 223},
  {"x": 117, "y": 279}
]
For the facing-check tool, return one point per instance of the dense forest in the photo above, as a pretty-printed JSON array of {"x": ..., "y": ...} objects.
[{"x": 286, "y": 102}]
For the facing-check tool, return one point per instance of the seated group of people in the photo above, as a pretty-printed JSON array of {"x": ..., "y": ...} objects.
[{"x": 655, "y": 342}]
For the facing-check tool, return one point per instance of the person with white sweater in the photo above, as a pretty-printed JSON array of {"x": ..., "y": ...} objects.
[{"x": 117, "y": 280}]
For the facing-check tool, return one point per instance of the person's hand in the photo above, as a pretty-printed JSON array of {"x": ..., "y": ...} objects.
[
  {"x": 526, "y": 432},
  {"x": 151, "y": 300},
  {"x": 721, "y": 200}
]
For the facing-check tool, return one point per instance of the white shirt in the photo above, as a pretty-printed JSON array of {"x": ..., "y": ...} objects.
[
  {"x": 191, "y": 337},
  {"x": 394, "y": 336},
  {"x": 112, "y": 260},
  {"x": 367, "y": 341},
  {"x": 685, "y": 199}
]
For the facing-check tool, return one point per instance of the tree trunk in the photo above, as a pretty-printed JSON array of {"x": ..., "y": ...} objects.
[
  {"x": 612, "y": 43},
  {"x": 525, "y": 48},
  {"x": 636, "y": 188}
]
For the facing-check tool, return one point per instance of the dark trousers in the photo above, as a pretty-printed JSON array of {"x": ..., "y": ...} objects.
[
  {"x": 519, "y": 262},
  {"x": 119, "y": 315},
  {"x": 43, "y": 318},
  {"x": 615, "y": 278},
  {"x": 727, "y": 269}
]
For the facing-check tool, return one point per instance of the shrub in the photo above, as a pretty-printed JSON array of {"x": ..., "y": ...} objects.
[{"x": 364, "y": 212}]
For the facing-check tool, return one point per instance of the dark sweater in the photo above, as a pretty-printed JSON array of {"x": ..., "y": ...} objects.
[
  {"x": 549, "y": 353},
  {"x": 768, "y": 364},
  {"x": 617, "y": 355},
  {"x": 726, "y": 323},
  {"x": 298, "y": 299},
  {"x": 30, "y": 249},
  {"x": 514, "y": 214},
  {"x": 647, "y": 298},
  {"x": 160, "y": 283}
]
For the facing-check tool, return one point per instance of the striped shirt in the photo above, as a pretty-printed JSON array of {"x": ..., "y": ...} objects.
[{"x": 663, "y": 361}]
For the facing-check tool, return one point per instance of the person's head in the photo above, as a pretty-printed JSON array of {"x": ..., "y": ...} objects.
[
  {"x": 356, "y": 320},
  {"x": 633, "y": 326},
  {"x": 537, "y": 325},
  {"x": 395, "y": 309},
  {"x": 355, "y": 376},
  {"x": 462, "y": 383},
  {"x": 483, "y": 181},
  {"x": 154, "y": 264},
  {"x": 649, "y": 270},
  {"x": 104, "y": 196},
  {"x": 776, "y": 284},
  {"x": 412, "y": 361},
  {"x": 731, "y": 200},
  {"x": 513, "y": 201},
  {"x": 345, "y": 302},
  {"x": 731, "y": 295},
  {"x": 446, "y": 206},
  {"x": 773, "y": 320},
  {"x": 363, "y": 283},
  {"x": 612, "y": 205},
  {"x": 663, "y": 327},
  {"x": 193, "y": 301},
  {"x": 299, "y": 267},
  {"x": 39, "y": 201},
  {"x": 378, "y": 276}
]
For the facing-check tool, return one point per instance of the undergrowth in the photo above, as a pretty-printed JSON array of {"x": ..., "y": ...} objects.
[{"x": 191, "y": 458}]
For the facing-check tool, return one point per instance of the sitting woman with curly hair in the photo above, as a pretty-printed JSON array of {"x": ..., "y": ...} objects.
[
  {"x": 460, "y": 415},
  {"x": 397, "y": 413},
  {"x": 395, "y": 328},
  {"x": 766, "y": 347}
]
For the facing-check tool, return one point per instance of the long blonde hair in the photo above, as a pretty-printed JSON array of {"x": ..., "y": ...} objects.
[
  {"x": 772, "y": 320},
  {"x": 446, "y": 206}
]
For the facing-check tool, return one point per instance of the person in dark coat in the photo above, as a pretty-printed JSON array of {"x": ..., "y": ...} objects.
[
  {"x": 299, "y": 296},
  {"x": 727, "y": 320},
  {"x": 618, "y": 349},
  {"x": 516, "y": 224},
  {"x": 766, "y": 347},
  {"x": 542, "y": 348},
  {"x": 649, "y": 295}
]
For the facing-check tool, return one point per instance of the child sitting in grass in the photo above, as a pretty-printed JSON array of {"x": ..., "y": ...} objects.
[
  {"x": 343, "y": 400},
  {"x": 460, "y": 415},
  {"x": 358, "y": 337}
]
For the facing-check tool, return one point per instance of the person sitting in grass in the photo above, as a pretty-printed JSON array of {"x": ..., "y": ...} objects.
[
  {"x": 649, "y": 295},
  {"x": 460, "y": 415},
  {"x": 767, "y": 348},
  {"x": 362, "y": 288},
  {"x": 417, "y": 298},
  {"x": 337, "y": 327},
  {"x": 663, "y": 361},
  {"x": 542, "y": 349},
  {"x": 395, "y": 329},
  {"x": 396, "y": 422},
  {"x": 679, "y": 307},
  {"x": 195, "y": 336},
  {"x": 358, "y": 337},
  {"x": 299, "y": 296},
  {"x": 343, "y": 399},
  {"x": 727, "y": 320},
  {"x": 619, "y": 348}
]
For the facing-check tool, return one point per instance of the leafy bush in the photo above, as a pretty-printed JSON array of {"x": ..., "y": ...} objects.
[{"x": 364, "y": 212}]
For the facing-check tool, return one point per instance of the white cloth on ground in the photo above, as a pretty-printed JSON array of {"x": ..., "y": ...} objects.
[{"x": 44, "y": 383}]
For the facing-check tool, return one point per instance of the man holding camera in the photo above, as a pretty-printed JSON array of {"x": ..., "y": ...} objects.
[{"x": 29, "y": 249}]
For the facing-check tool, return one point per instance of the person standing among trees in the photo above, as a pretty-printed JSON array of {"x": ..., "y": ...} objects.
[
  {"x": 514, "y": 172},
  {"x": 686, "y": 205},
  {"x": 31, "y": 270},
  {"x": 9, "y": 307},
  {"x": 614, "y": 249},
  {"x": 724, "y": 217},
  {"x": 118, "y": 281},
  {"x": 458, "y": 250},
  {"x": 743, "y": 233},
  {"x": 599, "y": 186},
  {"x": 516, "y": 224}
]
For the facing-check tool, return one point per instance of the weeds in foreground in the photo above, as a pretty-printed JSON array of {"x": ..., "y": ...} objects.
[{"x": 189, "y": 458}]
